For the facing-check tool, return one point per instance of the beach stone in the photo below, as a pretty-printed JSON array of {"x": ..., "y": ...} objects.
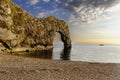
[{"x": 18, "y": 29}]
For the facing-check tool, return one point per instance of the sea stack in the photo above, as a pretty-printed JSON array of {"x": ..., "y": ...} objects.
[{"x": 19, "y": 31}]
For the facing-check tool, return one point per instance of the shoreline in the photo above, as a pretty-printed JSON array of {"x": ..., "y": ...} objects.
[
  {"x": 25, "y": 49},
  {"x": 25, "y": 68}
]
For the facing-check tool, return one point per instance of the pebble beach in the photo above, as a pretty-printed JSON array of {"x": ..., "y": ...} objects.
[{"x": 24, "y": 68}]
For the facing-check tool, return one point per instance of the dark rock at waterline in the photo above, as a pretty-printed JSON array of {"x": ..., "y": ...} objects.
[{"x": 21, "y": 31}]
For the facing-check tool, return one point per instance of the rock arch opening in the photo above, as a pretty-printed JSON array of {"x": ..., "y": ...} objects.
[
  {"x": 57, "y": 40},
  {"x": 61, "y": 37}
]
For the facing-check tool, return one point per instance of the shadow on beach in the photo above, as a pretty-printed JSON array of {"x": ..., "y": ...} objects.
[{"x": 47, "y": 54}]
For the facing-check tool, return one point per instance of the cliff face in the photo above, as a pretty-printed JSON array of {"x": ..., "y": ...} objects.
[{"x": 20, "y": 30}]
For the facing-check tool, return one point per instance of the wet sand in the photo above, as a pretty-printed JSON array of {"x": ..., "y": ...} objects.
[{"x": 24, "y": 68}]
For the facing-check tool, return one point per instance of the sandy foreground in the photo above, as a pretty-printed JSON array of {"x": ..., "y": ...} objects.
[{"x": 23, "y": 68}]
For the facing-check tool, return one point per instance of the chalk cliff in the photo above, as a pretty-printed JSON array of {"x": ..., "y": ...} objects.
[{"x": 19, "y": 31}]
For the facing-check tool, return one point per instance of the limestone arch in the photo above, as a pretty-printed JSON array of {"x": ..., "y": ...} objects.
[{"x": 64, "y": 39}]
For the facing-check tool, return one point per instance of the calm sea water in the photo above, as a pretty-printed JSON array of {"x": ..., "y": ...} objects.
[{"x": 81, "y": 52}]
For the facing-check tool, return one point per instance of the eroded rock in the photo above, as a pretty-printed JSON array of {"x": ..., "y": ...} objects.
[{"x": 19, "y": 30}]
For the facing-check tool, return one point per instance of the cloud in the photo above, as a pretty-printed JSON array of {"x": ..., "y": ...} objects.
[
  {"x": 46, "y": 13},
  {"x": 41, "y": 14},
  {"x": 94, "y": 3},
  {"x": 46, "y": 1},
  {"x": 88, "y": 10},
  {"x": 33, "y": 2},
  {"x": 58, "y": 1}
]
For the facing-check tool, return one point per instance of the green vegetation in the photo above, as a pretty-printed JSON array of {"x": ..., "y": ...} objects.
[
  {"x": 17, "y": 17},
  {"x": 3, "y": 24}
]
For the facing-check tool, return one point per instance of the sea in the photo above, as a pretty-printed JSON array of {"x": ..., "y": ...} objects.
[{"x": 80, "y": 52}]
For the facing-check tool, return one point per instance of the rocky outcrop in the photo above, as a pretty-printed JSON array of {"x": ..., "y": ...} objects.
[{"x": 19, "y": 31}]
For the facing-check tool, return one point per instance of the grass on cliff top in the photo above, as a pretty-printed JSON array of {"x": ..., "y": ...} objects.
[{"x": 18, "y": 19}]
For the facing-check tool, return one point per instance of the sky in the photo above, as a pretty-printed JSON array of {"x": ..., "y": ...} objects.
[{"x": 90, "y": 21}]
